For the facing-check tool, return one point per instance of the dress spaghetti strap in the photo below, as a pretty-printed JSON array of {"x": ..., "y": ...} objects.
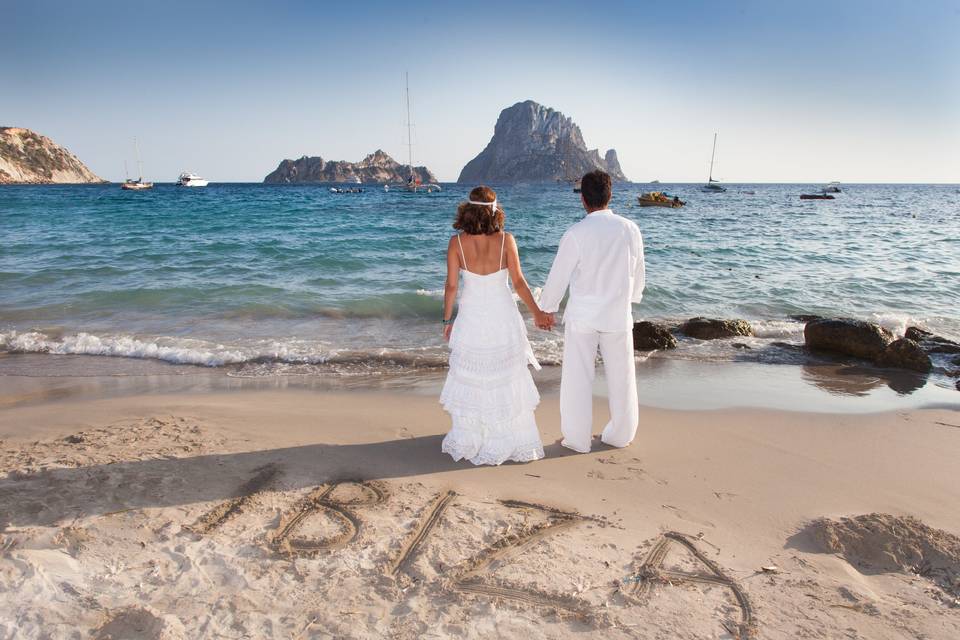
[
  {"x": 503, "y": 239},
  {"x": 462, "y": 257}
]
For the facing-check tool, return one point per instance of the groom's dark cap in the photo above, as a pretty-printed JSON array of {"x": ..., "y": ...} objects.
[{"x": 596, "y": 188}]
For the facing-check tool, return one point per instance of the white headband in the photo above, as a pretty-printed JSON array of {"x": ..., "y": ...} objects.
[{"x": 492, "y": 205}]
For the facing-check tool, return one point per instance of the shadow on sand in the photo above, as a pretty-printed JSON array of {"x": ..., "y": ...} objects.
[{"x": 51, "y": 497}]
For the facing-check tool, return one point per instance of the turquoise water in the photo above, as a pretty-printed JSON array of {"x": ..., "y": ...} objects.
[{"x": 294, "y": 279}]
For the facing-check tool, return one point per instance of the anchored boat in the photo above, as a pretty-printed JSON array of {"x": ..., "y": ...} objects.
[
  {"x": 713, "y": 186},
  {"x": 188, "y": 179},
  {"x": 138, "y": 184},
  {"x": 414, "y": 184},
  {"x": 659, "y": 199}
]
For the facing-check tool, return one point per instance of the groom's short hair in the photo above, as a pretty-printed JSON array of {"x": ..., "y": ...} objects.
[{"x": 596, "y": 188}]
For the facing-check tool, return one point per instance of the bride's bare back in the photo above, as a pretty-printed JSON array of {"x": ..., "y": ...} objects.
[{"x": 483, "y": 254}]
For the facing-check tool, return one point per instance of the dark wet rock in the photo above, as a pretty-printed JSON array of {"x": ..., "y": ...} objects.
[
  {"x": 76, "y": 438},
  {"x": 905, "y": 354},
  {"x": 711, "y": 329},
  {"x": 847, "y": 336},
  {"x": 958, "y": 385},
  {"x": 740, "y": 345},
  {"x": 803, "y": 317},
  {"x": 917, "y": 334},
  {"x": 648, "y": 336},
  {"x": 930, "y": 342}
]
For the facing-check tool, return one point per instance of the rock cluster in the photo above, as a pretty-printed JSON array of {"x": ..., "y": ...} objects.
[
  {"x": 855, "y": 338},
  {"x": 872, "y": 342},
  {"x": 650, "y": 336},
  {"x": 534, "y": 143},
  {"x": 27, "y": 157},
  {"x": 712, "y": 329},
  {"x": 376, "y": 168}
]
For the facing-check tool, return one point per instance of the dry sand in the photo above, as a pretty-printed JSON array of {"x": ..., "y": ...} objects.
[{"x": 317, "y": 515}]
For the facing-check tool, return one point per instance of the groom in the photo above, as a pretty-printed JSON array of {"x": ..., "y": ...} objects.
[{"x": 601, "y": 259}]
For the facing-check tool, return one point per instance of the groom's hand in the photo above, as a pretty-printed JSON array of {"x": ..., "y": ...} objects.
[{"x": 545, "y": 322}]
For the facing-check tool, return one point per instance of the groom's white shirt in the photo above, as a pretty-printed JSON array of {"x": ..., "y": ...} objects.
[{"x": 601, "y": 259}]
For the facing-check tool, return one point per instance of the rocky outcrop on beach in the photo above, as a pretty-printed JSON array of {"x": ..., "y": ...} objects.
[
  {"x": 26, "y": 157},
  {"x": 650, "y": 336},
  {"x": 534, "y": 143},
  {"x": 850, "y": 337},
  {"x": 905, "y": 354},
  {"x": 376, "y": 168},
  {"x": 931, "y": 343},
  {"x": 712, "y": 329}
]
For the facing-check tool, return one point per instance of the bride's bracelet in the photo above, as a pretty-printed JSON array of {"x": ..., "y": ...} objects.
[{"x": 446, "y": 322}]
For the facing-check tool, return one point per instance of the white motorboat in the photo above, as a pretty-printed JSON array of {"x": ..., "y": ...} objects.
[
  {"x": 188, "y": 179},
  {"x": 833, "y": 187}
]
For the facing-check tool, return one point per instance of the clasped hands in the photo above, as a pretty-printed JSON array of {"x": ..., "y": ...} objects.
[{"x": 544, "y": 321}]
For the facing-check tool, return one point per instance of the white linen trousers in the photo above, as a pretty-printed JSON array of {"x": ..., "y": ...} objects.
[{"x": 576, "y": 386}]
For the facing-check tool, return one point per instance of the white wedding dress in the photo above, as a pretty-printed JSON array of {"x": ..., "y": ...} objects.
[{"x": 489, "y": 392}]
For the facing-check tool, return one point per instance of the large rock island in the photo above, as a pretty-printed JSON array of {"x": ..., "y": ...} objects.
[
  {"x": 27, "y": 157},
  {"x": 378, "y": 167},
  {"x": 534, "y": 143}
]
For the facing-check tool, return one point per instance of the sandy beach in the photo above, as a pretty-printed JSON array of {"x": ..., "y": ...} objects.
[{"x": 305, "y": 514}]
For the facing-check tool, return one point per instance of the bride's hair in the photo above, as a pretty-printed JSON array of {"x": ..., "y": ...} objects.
[{"x": 478, "y": 219}]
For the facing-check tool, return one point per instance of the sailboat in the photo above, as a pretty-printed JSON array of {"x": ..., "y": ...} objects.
[
  {"x": 414, "y": 184},
  {"x": 713, "y": 186},
  {"x": 138, "y": 184}
]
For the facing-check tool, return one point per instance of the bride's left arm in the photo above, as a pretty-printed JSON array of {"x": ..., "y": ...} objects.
[
  {"x": 520, "y": 283},
  {"x": 450, "y": 288}
]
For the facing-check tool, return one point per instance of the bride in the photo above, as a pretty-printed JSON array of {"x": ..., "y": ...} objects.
[{"x": 489, "y": 392}]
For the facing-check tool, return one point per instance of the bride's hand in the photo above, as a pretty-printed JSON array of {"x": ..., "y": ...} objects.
[
  {"x": 543, "y": 320},
  {"x": 447, "y": 329}
]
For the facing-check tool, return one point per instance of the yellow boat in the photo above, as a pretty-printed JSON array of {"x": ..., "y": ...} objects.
[{"x": 659, "y": 199}]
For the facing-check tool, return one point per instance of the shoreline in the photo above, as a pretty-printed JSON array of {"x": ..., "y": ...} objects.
[
  {"x": 819, "y": 386},
  {"x": 124, "y": 512}
]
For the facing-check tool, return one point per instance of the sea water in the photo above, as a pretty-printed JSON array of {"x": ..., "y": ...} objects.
[{"x": 265, "y": 280}]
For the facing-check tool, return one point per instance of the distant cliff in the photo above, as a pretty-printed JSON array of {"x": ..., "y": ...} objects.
[
  {"x": 377, "y": 167},
  {"x": 30, "y": 158},
  {"x": 534, "y": 143}
]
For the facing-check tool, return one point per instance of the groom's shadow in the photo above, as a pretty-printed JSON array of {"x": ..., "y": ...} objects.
[{"x": 49, "y": 497}]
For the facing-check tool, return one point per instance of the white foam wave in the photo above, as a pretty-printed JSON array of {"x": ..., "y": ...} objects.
[
  {"x": 173, "y": 350},
  {"x": 777, "y": 329}
]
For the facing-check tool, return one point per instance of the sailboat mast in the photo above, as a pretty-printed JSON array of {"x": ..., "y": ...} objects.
[
  {"x": 409, "y": 135},
  {"x": 712, "y": 154},
  {"x": 139, "y": 163}
]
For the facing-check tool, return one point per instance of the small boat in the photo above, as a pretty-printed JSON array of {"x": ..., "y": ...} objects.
[
  {"x": 188, "y": 179},
  {"x": 356, "y": 180},
  {"x": 816, "y": 196},
  {"x": 576, "y": 187},
  {"x": 138, "y": 184},
  {"x": 659, "y": 199},
  {"x": 386, "y": 188},
  {"x": 414, "y": 184},
  {"x": 833, "y": 187},
  {"x": 713, "y": 186},
  {"x": 654, "y": 182}
]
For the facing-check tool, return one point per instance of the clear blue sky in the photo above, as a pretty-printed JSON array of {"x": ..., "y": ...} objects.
[{"x": 799, "y": 91}]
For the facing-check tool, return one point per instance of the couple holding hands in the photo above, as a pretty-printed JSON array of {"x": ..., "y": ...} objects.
[{"x": 489, "y": 392}]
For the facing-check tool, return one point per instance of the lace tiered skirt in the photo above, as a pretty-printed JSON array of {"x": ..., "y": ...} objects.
[{"x": 489, "y": 392}]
